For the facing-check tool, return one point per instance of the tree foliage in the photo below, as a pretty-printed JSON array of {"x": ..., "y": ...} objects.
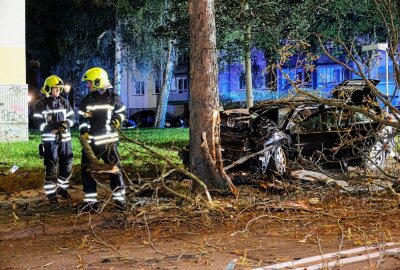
[
  {"x": 140, "y": 20},
  {"x": 62, "y": 38}
]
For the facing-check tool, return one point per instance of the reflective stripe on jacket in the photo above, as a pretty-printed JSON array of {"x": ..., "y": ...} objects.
[
  {"x": 48, "y": 114},
  {"x": 96, "y": 112}
]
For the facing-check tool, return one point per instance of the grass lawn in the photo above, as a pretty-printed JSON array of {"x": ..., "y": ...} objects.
[
  {"x": 134, "y": 158},
  {"x": 25, "y": 154}
]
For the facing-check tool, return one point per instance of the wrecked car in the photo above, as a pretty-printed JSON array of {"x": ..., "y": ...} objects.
[{"x": 279, "y": 134}]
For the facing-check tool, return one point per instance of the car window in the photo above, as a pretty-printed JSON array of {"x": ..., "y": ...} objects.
[
  {"x": 311, "y": 119},
  {"x": 335, "y": 119},
  {"x": 312, "y": 123},
  {"x": 283, "y": 114},
  {"x": 296, "y": 122},
  {"x": 361, "y": 118}
]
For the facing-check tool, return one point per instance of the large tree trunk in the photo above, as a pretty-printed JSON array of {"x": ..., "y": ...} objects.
[
  {"x": 166, "y": 87},
  {"x": 205, "y": 150}
]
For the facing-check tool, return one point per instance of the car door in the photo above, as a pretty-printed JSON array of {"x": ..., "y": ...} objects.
[
  {"x": 365, "y": 132},
  {"x": 318, "y": 132}
]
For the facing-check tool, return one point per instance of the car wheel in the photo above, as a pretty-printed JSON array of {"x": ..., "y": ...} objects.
[
  {"x": 376, "y": 158},
  {"x": 278, "y": 162}
]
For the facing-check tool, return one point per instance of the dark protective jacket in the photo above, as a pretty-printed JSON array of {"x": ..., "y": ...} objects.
[
  {"x": 96, "y": 112},
  {"x": 48, "y": 114}
]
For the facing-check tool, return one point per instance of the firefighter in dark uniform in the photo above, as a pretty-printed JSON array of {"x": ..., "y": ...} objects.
[
  {"x": 101, "y": 112},
  {"x": 54, "y": 116}
]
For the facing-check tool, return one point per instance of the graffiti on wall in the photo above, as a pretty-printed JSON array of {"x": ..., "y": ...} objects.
[
  {"x": 13, "y": 112},
  {"x": 18, "y": 90},
  {"x": 11, "y": 134}
]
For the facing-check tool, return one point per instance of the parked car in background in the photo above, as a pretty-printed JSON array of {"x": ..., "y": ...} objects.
[
  {"x": 129, "y": 124},
  {"x": 146, "y": 118},
  {"x": 302, "y": 132},
  {"x": 183, "y": 119}
]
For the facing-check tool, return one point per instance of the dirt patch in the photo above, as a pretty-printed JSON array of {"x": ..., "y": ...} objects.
[
  {"x": 114, "y": 241},
  {"x": 21, "y": 180},
  {"x": 33, "y": 179},
  {"x": 259, "y": 228}
]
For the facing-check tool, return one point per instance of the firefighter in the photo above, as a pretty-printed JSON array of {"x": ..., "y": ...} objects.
[
  {"x": 101, "y": 112},
  {"x": 54, "y": 116}
]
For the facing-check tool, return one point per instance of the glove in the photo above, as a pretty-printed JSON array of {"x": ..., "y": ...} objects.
[
  {"x": 85, "y": 136},
  {"x": 87, "y": 114},
  {"x": 115, "y": 123},
  {"x": 62, "y": 126}
]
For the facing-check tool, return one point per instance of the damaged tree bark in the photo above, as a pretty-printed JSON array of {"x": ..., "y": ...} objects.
[{"x": 214, "y": 159}]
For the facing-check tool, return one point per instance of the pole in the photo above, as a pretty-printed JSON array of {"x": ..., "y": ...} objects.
[
  {"x": 387, "y": 73},
  {"x": 381, "y": 47}
]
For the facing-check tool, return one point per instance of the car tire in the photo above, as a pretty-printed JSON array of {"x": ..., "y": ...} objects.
[
  {"x": 278, "y": 162},
  {"x": 376, "y": 158}
]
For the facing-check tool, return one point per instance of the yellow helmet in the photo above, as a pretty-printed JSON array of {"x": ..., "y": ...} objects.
[
  {"x": 98, "y": 77},
  {"x": 50, "y": 82}
]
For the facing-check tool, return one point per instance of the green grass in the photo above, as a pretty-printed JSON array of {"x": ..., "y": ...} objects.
[{"x": 25, "y": 154}]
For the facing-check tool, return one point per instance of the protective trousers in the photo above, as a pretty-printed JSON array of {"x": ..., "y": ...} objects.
[
  {"x": 108, "y": 153},
  {"x": 58, "y": 163}
]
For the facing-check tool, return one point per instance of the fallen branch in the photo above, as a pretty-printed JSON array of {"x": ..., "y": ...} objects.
[
  {"x": 318, "y": 177},
  {"x": 243, "y": 159},
  {"x": 177, "y": 194},
  {"x": 100, "y": 241},
  {"x": 94, "y": 164},
  {"x": 170, "y": 163}
]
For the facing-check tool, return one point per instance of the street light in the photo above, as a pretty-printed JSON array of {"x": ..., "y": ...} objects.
[
  {"x": 67, "y": 88},
  {"x": 380, "y": 47}
]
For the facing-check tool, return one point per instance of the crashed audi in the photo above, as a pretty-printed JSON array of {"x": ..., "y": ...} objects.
[{"x": 302, "y": 133}]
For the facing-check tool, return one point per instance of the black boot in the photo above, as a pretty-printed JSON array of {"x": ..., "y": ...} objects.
[
  {"x": 63, "y": 192},
  {"x": 52, "y": 199},
  {"x": 89, "y": 207},
  {"x": 120, "y": 205}
]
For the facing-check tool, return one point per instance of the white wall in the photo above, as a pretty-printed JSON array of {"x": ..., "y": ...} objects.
[
  {"x": 13, "y": 87},
  {"x": 137, "y": 102},
  {"x": 12, "y": 42}
]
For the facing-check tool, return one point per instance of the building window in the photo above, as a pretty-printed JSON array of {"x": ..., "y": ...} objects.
[
  {"x": 299, "y": 77},
  {"x": 284, "y": 84},
  {"x": 139, "y": 88},
  {"x": 183, "y": 59},
  {"x": 270, "y": 81},
  {"x": 329, "y": 75},
  {"x": 157, "y": 86},
  {"x": 307, "y": 78},
  {"x": 242, "y": 81},
  {"x": 382, "y": 74},
  {"x": 182, "y": 84}
]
